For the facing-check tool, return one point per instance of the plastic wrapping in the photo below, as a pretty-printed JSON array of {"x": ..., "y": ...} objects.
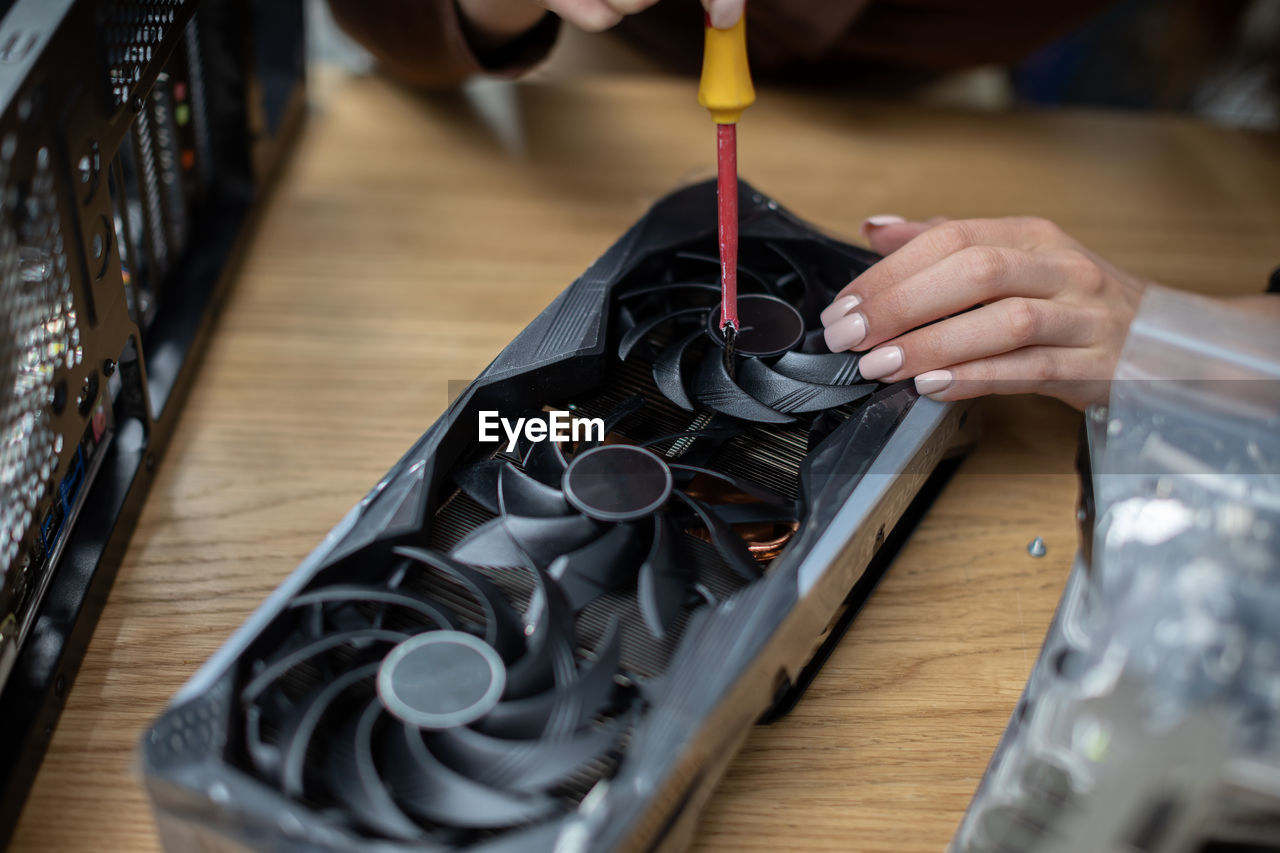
[{"x": 1152, "y": 718}]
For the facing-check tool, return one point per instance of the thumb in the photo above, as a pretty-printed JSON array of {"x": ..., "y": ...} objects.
[
  {"x": 724, "y": 13},
  {"x": 887, "y": 233}
]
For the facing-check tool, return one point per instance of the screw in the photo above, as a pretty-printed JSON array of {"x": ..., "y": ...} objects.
[
  {"x": 151, "y": 462},
  {"x": 108, "y": 367},
  {"x": 1036, "y": 548}
]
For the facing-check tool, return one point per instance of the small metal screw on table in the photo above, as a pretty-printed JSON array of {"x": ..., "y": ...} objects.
[{"x": 1036, "y": 548}]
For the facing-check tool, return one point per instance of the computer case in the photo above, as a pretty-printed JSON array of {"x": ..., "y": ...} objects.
[{"x": 137, "y": 138}]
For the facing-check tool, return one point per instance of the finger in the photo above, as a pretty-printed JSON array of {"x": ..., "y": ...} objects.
[
  {"x": 593, "y": 16},
  {"x": 1004, "y": 326},
  {"x": 977, "y": 275},
  {"x": 724, "y": 13},
  {"x": 629, "y": 7},
  {"x": 947, "y": 238},
  {"x": 1070, "y": 374},
  {"x": 888, "y": 233}
]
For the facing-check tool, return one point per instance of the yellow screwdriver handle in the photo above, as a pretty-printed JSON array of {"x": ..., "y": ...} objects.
[{"x": 726, "y": 88}]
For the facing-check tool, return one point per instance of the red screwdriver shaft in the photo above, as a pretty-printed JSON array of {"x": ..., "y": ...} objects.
[{"x": 727, "y": 197}]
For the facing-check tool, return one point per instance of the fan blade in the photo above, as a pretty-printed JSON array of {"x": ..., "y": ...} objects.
[
  {"x": 548, "y": 660},
  {"x": 753, "y": 513},
  {"x": 728, "y": 545},
  {"x": 667, "y": 373},
  {"x": 521, "y": 765},
  {"x": 745, "y": 272},
  {"x": 517, "y": 542},
  {"x": 480, "y": 483},
  {"x": 663, "y": 580},
  {"x": 597, "y": 568},
  {"x": 295, "y": 741},
  {"x": 815, "y": 343},
  {"x": 426, "y": 787},
  {"x": 353, "y": 778},
  {"x": 490, "y": 544},
  {"x": 520, "y": 494},
  {"x": 545, "y": 462},
  {"x": 812, "y": 300},
  {"x": 354, "y": 594},
  {"x": 789, "y": 395},
  {"x": 365, "y": 638},
  {"x": 538, "y": 836},
  {"x": 716, "y": 390},
  {"x": 503, "y": 627},
  {"x": 544, "y": 539},
  {"x": 640, "y": 330},
  {"x": 741, "y": 485},
  {"x": 824, "y": 368},
  {"x": 682, "y": 286},
  {"x": 537, "y": 715}
]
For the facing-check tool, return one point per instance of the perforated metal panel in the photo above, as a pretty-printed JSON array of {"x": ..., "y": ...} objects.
[
  {"x": 38, "y": 333},
  {"x": 134, "y": 31}
]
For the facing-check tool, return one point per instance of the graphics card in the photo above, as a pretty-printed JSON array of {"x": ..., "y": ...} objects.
[{"x": 556, "y": 618}]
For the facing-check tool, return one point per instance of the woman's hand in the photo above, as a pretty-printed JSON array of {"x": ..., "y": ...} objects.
[
  {"x": 510, "y": 18},
  {"x": 1051, "y": 317}
]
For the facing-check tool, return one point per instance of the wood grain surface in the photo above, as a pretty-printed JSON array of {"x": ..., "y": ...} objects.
[{"x": 411, "y": 237}]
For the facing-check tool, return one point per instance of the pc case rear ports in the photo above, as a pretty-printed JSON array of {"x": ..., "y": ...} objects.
[
  {"x": 157, "y": 179},
  {"x": 130, "y": 226},
  {"x": 28, "y": 577}
]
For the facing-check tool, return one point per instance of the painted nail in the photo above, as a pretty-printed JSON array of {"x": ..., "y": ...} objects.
[
  {"x": 932, "y": 382},
  {"x": 878, "y": 221},
  {"x": 846, "y": 333},
  {"x": 838, "y": 309},
  {"x": 725, "y": 13},
  {"x": 880, "y": 362}
]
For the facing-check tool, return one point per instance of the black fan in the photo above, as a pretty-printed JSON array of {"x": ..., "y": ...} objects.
[
  {"x": 414, "y": 718},
  {"x": 771, "y": 376},
  {"x": 612, "y": 512}
]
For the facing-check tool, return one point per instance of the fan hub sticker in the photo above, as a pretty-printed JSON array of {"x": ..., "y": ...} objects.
[
  {"x": 617, "y": 482},
  {"x": 441, "y": 679},
  {"x": 768, "y": 325}
]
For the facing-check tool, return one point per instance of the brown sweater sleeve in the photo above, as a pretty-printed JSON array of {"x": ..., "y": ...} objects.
[{"x": 424, "y": 42}]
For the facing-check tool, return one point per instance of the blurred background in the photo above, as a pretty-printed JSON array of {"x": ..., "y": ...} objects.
[{"x": 1215, "y": 59}]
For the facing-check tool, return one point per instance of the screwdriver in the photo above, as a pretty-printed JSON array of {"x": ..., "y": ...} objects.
[{"x": 726, "y": 90}]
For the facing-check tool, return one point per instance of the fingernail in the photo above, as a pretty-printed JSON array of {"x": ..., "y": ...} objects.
[
  {"x": 880, "y": 362},
  {"x": 931, "y": 382},
  {"x": 879, "y": 220},
  {"x": 846, "y": 333},
  {"x": 726, "y": 13},
  {"x": 838, "y": 309}
]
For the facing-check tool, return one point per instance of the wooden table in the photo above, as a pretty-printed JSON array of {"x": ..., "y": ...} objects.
[{"x": 409, "y": 241}]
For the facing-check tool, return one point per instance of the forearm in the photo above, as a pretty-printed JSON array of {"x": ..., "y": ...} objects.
[
  {"x": 436, "y": 43},
  {"x": 493, "y": 24}
]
